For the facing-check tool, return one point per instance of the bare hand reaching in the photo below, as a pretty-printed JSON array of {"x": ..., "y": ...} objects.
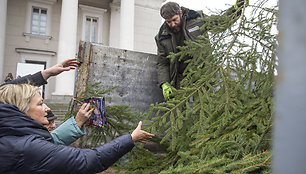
[
  {"x": 83, "y": 114},
  {"x": 139, "y": 135},
  {"x": 66, "y": 65}
]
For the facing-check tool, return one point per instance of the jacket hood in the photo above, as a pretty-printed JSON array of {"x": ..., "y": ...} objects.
[
  {"x": 164, "y": 31},
  {"x": 14, "y": 122}
]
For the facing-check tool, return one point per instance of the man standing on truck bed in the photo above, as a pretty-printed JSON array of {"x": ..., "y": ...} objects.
[{"x": 181, "y": 24}]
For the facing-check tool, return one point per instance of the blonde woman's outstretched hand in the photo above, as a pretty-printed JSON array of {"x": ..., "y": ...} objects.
[{"x": 139, "y": 135}]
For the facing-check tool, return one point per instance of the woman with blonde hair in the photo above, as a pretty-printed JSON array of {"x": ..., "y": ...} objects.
[
  {"x": 73, "y": 128},
  {"x": 26, "y": 146}
]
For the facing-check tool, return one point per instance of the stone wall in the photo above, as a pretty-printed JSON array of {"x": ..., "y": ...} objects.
[{"x": 134, "y": 72}]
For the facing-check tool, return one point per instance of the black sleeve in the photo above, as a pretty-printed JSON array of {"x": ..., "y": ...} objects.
[
  {"x": 41, "y": 156},
  {"x": 34, "y": 79}
]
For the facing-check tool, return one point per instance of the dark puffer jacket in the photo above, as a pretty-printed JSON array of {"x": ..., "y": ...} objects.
[
  {"x": 27, "y": 147},
  {"x": 34, "y": 79}
]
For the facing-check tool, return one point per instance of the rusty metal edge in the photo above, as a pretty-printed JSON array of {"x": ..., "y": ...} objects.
[{"x": 83, "y": 70}]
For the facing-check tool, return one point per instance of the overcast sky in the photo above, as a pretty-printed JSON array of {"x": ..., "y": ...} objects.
[
  {"x": 215, "y": 5},
  {"x": 205, "y": 5}
]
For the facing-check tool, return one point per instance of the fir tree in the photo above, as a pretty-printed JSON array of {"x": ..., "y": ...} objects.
[
  {"x": 220, "y": 119},
  {"x": 120, "y": 119}
]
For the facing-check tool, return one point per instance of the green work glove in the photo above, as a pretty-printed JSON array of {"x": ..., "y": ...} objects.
[
  {"x": 167, "y": 90},
  {"x": 239, "y": 3}
]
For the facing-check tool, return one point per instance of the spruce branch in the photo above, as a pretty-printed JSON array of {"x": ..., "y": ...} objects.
[{"x": 237, "y": 33}]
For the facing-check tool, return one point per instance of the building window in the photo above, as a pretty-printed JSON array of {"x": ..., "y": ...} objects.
[
  {"x": 91, "y": 29},
  {"x": 39, "y": 21},
  {"x": 92, "y": 19}
]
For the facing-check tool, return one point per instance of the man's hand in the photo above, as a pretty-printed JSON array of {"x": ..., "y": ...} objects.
[
  {"x": 239, "y": 3},
  {"x": 83, "y": 114},
  {"x": 139, "y": 135},
  {"x": 167, "y": 90},
  {"x": 66, "y": 65}
]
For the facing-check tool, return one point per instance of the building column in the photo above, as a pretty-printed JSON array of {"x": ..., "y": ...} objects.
[
  {"x": 67, "y": 46},
  {"x": 3, "y": 10},
  {"x": 114, "y": 25},
  {"x": 127, "y": 24}
]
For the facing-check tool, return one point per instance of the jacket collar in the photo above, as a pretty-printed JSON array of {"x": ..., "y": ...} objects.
[{"x": 14, "y": 122}]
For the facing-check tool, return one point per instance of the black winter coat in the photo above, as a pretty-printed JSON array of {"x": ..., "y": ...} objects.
[
  {"x": 27, "y": 147},
  {"x": 34, "y": 79}
]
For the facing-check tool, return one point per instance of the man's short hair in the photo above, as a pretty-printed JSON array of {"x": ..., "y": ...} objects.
[{"x": 170, "y": 9}]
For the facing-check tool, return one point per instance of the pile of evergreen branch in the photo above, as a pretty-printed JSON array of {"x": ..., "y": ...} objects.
[
  {"x": 120, "y": 119},
  {"x": 220, "y": 120}
]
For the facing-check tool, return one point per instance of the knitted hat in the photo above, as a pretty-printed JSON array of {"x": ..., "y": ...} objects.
[{"x": 51, "y": 116}]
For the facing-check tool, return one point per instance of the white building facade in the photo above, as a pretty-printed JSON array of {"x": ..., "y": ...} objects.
[{"x": 40, "y": 33}]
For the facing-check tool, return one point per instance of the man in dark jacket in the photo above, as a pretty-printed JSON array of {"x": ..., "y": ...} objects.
[
  {"x": 180, "y": 24},
  {"x": 51, "y": 119}
]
